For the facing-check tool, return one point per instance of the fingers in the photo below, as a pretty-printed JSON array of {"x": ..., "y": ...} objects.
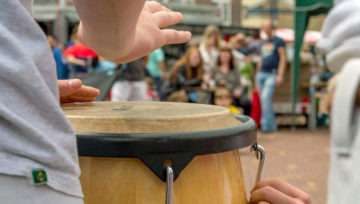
[
  {"x": 285, "y": 188},
  {"x": 86, "y": 92},
  {"x": 73, "y": 91},
  {"x": 165, "y": 18},
  {"x": 172, "y": 36},
  {"x": 67, "y": 87},
  {"x": 273, "y": 196},
  {"x": 154, "y": 6}
]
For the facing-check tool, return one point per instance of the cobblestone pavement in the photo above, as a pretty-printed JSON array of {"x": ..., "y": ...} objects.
[{"x": 301, "y": 158}]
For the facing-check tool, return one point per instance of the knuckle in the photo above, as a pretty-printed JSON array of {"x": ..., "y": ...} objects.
[
  {"x": 267, "y": 190},
  {"x": 275, "y": 182}
]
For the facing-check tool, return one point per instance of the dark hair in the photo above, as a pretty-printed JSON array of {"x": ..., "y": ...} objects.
[{"x": 231, "y": 61}]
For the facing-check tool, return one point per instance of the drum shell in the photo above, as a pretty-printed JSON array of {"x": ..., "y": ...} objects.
[{"x": 211, "y": 179}]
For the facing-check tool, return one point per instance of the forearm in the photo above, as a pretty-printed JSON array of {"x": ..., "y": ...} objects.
[
  {"x": 75, "y": 61},
  {"x": 259, "y": 64},
  {"x": 108, "y": 26},
  {"x": 282, "y": 62},
  {"x": 282, "y": 66}
]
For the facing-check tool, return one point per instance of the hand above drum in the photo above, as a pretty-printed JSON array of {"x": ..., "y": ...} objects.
[
  {"x": 73, "y": 91},
  {"x": 276, "y": 191},
  {"x": 121, "y": 31}
]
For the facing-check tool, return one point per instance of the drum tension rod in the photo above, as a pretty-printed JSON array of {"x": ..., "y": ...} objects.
[
  {"x": 261, "y": 156},
  {"x": 169, "y": 184}
]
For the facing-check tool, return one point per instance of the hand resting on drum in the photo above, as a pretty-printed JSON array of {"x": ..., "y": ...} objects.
[
  {"x": 73, "y": 91},
  {"x": 276, "y": 191}
]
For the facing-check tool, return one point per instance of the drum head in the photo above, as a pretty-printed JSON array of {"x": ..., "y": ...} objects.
[{"x": 147, "y": 117}]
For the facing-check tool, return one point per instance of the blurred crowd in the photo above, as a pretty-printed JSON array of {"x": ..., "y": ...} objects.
[{"x": 212, "y": 71}]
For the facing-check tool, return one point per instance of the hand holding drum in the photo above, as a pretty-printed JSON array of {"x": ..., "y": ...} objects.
[{"x": 276, "y": 191}]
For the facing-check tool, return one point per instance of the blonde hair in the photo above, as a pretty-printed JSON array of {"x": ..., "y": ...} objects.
[{"x": 209, "y": 30}]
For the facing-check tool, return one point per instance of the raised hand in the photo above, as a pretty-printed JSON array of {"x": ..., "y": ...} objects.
[{"x": 150, "y": 34}]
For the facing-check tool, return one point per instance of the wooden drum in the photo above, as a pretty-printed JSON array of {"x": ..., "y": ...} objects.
[{"x": 147, "y": 152}]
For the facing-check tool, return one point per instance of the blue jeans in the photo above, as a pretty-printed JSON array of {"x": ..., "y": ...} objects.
[{"x": 267, "y": 84}]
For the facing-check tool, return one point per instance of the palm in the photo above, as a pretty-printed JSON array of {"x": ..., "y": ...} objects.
[{"x": 149, "y": 33}]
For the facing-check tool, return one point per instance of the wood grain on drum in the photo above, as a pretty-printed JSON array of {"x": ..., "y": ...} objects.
[{"x": 208, "y": 179}]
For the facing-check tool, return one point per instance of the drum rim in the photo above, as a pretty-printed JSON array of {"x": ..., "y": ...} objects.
[
  {"x": 98, "y": 141},
  {"x": 181, "y": 148}
]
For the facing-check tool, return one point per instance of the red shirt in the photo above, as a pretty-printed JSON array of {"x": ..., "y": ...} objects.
[{"x": 80, "y": 51}]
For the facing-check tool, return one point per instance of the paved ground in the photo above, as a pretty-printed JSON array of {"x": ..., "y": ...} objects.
[{"x": 301, "y": 158}]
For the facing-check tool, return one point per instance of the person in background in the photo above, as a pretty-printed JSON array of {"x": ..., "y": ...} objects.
[
  {"x": 73, "y": 37},
  {"x": 253, "y": 46},
  {"x": 61, "y": 68},
  {"x": 223, "y": 97},
  {"x": 130, "y": 84},
  {"x": 156, "y": 67},
  {"x": 228, "y": 77},
  {"x": 270, "y": 73},
  {"x": 151, "y": 94},
  {"x": 78, "y": 57},
  {"x": 209, "y": 48},
  {"x": 241, "y": 44},
  {"x": 190, "y": 74}
]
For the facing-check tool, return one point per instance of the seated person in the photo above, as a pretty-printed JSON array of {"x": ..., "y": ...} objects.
[
  {"x": 223, "y": 97},
  {"x": 227, "y": 76},
  {"x": 190, "y": 74},
  {"x": 78, "y": 56}
]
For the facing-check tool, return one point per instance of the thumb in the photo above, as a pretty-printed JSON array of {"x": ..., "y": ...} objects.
[{"x": 67, "y": 87}]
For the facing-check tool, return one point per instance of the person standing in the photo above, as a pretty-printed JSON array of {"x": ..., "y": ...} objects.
[
  {"x": 270, "y": 73},
  {"x": 61, "y": 68},
  {"x": 130, "y": 84}
]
